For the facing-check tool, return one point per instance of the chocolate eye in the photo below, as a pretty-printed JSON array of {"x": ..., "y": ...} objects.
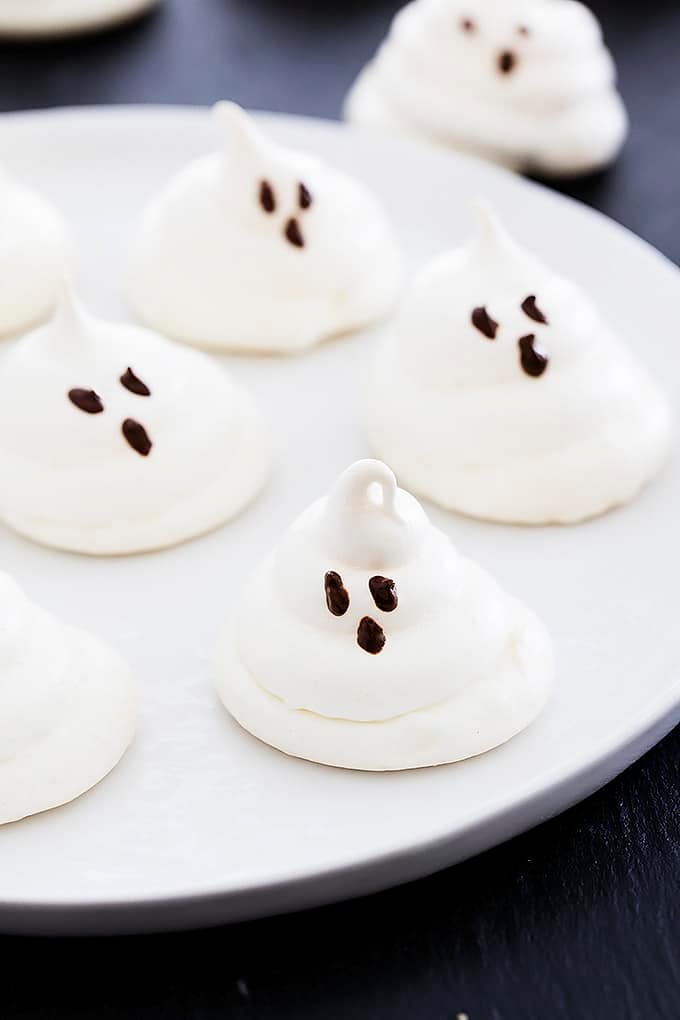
[
  {"x": 534, "y": 360},
  {"x": 530, "y": 308},
  {"x": 137, "y": 437},
  {"x": 468, "y": 25},
  {"x": 267, "y": 197},
  {"x": 304, "y": 196},
  {"x": 337, "y": 596},
  {"x": 370, "y": 636},
  {"x": 134, "y": 384},
  {"x": 384, "y": 592},
  {"x": 86, "y": 400},
  {"x": 482, "y": 321},
  {"x": 523, "y": 30}
]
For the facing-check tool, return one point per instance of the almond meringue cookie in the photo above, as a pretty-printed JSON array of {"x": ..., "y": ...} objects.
[
  {"x": 366, "y": 641},
  {"x": 115, "y": 440},
  {"x": 501, "y": 393},
  {"x": 525, "y": 83},
  {"x": 35, "y": 251},
  {"x": 68, "y": 708},
  {"x": 262, "y": 249}
]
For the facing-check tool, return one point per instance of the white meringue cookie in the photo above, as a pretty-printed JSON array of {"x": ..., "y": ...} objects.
[
  {"x": 35, "y": 252},
  {"x": 67, "y": 708},
  {"x": 261, "y": 248},
  {"x": 19, "y": 18},
  {"x": 526, "y": 83},
  {"x": 115, "y": 440},
  {"x": 411, "y": 657},
  {"x": 500, "y": 392}
]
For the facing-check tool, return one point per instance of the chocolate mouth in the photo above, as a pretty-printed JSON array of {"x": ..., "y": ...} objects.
[
  {"x": 294, "y": 234},
  {"x": 370, "y": 636},
  {"x": 507, "y": 62},
  {"x": 137, "y": 437},
  {"x": 533, "y": 358}
]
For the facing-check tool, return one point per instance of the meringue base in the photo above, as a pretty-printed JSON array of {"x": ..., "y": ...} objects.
[
  {"x": 199, "y": 512},
  {"x": 229, "y": 321},
  {"x": 20, "y": 20},
  {"x": 564, "y": 482},
  {"x": 479, "y": 718},
  {"x": 568, "y": 486},
  {"x": 581, "y": 140},
  {"x": 73, "y": 758}
]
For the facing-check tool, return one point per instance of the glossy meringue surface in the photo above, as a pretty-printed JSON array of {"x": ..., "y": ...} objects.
[
  {"x": 36, "y": 250},
  {"x": 526, "y": 83},
  {"x": 67, "y": 708},
  {"x": 501, "y": 393},
  {"x": 365, "y": 640},
  {"x": 115, "y": 440},
  {"x": 261, "y": 248}
]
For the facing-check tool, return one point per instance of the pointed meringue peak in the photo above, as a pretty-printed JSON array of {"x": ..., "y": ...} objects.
[
  {"x": 491, "y": 234},
  {"x": 237, "y": 131},
  {"x": 70, "y": 317},
  {"x": 68, "y": 309},
  {"x": 368, "y": 521},
  {"x": 494, "y": 249}
]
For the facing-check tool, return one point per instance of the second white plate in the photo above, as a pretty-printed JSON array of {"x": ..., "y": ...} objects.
[{"x": 201, "y": 823}]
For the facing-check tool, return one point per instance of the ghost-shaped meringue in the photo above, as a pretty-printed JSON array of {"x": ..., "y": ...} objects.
[
  {"x": 261, "y": 248},
  {"x": 499, "y": 392},
  {"x": 366, "y": 641},
  {"x": 525, "y": 83},
  {"x": 114, "y": 440},
  {"x": 36, "y": 251},
  {"x": 68, "y": 708}
]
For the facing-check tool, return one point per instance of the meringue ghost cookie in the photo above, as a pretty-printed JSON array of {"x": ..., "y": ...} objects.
[
  {"x": 526, "y": 83},
  {"x": 115, "y": 440},
  {"x": 260, "y": 248},
  {"x": 366, "y": 641},
  {"x": 28, "y": 18},
  {"x": 35, "y": 252},
  {"x": 502, "y": 394},
  {"x": 67, "y": 708}
]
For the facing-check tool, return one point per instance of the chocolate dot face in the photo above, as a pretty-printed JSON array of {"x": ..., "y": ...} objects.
[
  {"x": 482, "y": 321},
  {"x": 533, "y": 359},
  {"x": 86, "y": 400},
  {"x": 294, "y": 234},
  {"x": 507, "y": 61},
  {"x": 137, "y": 437},
  {"x": 384, "y": 592},
  {"x": 292, "y": 230},
  {"x": 267, "y": 197},
  {"x": 370, "y": 636},
  {"x": 337, "y": 596},
  {"x": 134, "y": 384},
  {"x": 530, "y": 308}
]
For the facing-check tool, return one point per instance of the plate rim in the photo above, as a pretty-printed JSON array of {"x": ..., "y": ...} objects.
[{"x": 560, "y": 787}]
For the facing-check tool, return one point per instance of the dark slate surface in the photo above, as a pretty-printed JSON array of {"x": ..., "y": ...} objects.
[{"x": 576, "y": 920}]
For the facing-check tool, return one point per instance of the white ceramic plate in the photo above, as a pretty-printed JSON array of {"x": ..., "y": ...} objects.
[
  {"x": 42, "y": 18},
  {"x": 201, "y": 823}
]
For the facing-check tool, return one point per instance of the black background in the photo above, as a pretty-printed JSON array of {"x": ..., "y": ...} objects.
[{"x": 575, "y": 920}]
